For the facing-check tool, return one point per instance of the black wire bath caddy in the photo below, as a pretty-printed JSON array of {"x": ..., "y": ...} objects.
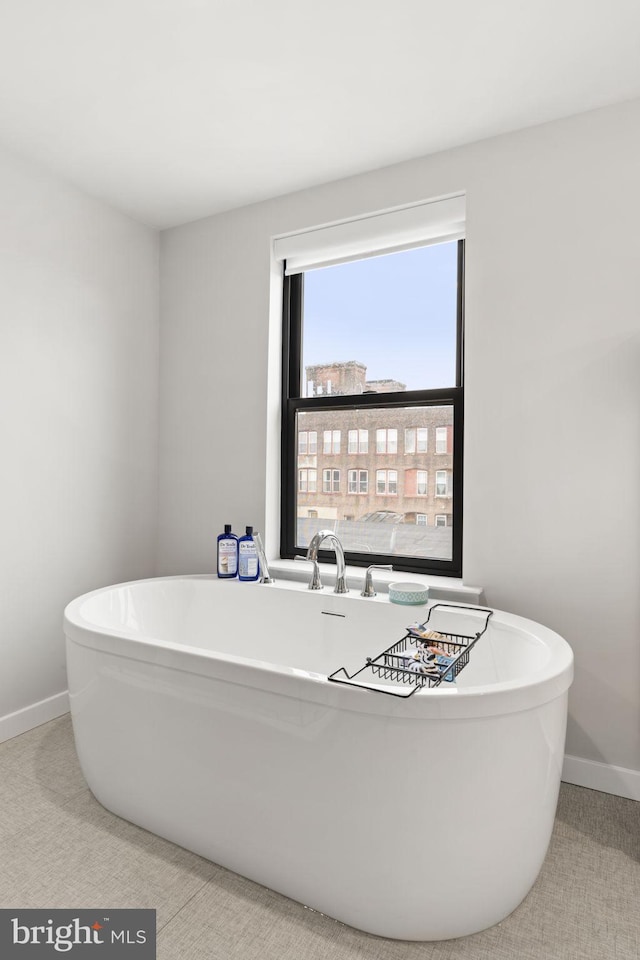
[{"x": 391, "y": 664}]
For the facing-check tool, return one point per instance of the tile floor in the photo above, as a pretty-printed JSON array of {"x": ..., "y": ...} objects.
[{"x": 60, "y": 848}]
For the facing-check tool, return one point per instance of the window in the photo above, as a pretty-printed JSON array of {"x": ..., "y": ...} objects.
[
  {"x": 307, "y": 481},
  {"x": 441, "y": 520},
  {"x": 386, "y": 441},
  {"x": 307, "y": 443},
  {"x": 331, "y": 481},
  {"x": 358, "y": 481},
  {"x": 396, "y": 391},
  {"x": 358, "y": 441},
  {"x": 387, "y": 482},
  {"x": 331, "y": 441},
  {"x": 415, "y": 440},
  {"x": 442, "y": 483}
]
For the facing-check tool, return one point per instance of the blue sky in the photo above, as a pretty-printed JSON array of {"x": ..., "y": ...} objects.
[{"x": 396, "y": 314}]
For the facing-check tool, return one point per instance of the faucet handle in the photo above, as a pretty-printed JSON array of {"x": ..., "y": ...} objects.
[
  {"x": 315, "y": 583},
  {"x": 367, "y": 590}
]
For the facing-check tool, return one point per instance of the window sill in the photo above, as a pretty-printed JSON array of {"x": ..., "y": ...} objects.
[{"x": 440, "y": 588}]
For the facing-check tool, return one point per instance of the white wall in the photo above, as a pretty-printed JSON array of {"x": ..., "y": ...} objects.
[
  {"x": 552, "y": 469},
  {"x": 78, "y": 420}
]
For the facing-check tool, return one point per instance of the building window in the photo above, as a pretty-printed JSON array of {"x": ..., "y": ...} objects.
[
  {"x": 307, "y": 481},
  {"x": 415, "y": 440},
  {"x": 415, "y": 411},
  {"x": 441, "y": 439},
  {"x": 307, "y": 443},
  {"x": 387, "y": 482},
  {"x": 331, "y": 481},
  {"x": 358, "y": 441},
  {"x": 331, "y": 441},
  {"x": 386, "y": 441},
  {"x": 358, "y": 481},
  {"x": 442, "y": 483},
  {"x": 441, "y": 520}
]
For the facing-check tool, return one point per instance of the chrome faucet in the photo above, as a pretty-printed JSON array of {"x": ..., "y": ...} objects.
[
  {"x": 368, "y": 589},
  {"x": 315, "y": 583},
  {"x": 265, "y": 576},
  {"x": 312, "y": 555}
]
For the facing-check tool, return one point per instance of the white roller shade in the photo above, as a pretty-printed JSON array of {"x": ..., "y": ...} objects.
[{"x": 431, "y": 222}]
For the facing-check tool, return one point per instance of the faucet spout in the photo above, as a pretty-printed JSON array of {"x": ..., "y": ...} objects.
[
  {"x": 312, "y": 554},
  {"x": 262, "y": 560}
]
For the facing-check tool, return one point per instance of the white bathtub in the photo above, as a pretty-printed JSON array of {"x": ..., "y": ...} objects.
[{"x": 202, "y": 712}]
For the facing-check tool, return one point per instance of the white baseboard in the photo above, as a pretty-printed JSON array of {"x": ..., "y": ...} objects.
[
  {"x": 22, "y": 720},
  {"x": 602, "y": 776}
]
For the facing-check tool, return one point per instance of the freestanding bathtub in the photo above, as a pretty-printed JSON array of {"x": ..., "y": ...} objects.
[{"x": 202, "y": 712}]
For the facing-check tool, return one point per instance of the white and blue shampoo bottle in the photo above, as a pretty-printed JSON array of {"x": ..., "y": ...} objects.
[
  {"x": 227, "y": 553},
  {"x": 248, "y": 567}
]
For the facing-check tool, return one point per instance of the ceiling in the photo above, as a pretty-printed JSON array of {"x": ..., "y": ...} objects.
[{"x": 172, "y": 110}]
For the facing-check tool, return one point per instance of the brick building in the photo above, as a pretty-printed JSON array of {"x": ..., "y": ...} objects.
[{"x": 368, "y": 464}]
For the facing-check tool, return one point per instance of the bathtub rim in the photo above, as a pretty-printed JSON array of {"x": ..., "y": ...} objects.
[{"x": 545, "y": 684}]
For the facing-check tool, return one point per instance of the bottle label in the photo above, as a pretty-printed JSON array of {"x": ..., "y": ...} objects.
[
  {"x": 227, "y": 557},
  {"x": 248, "y": 559}
]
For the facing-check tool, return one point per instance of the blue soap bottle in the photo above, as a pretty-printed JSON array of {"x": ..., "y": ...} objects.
[
  {"x": 227, "y": 553},
  {"x": 248, "y": 567}
]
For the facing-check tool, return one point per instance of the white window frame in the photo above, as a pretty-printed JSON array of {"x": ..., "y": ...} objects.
[
  {"x": 331, "y": 442},
  {"x": 307, "y": 443},
  {"x": 330, "y": 480},
  {"x": 410, "y": 440},
  {"x": 357, "y": 441},
  {"x": 440, "y": 473},
  {"x": 387, "y": 444},
  {"x": 307, "y": 480},
  {"x": 388, "y": 482},
  {"x": 359, "y": 480},
  {"x": 416, "y": 440}
]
